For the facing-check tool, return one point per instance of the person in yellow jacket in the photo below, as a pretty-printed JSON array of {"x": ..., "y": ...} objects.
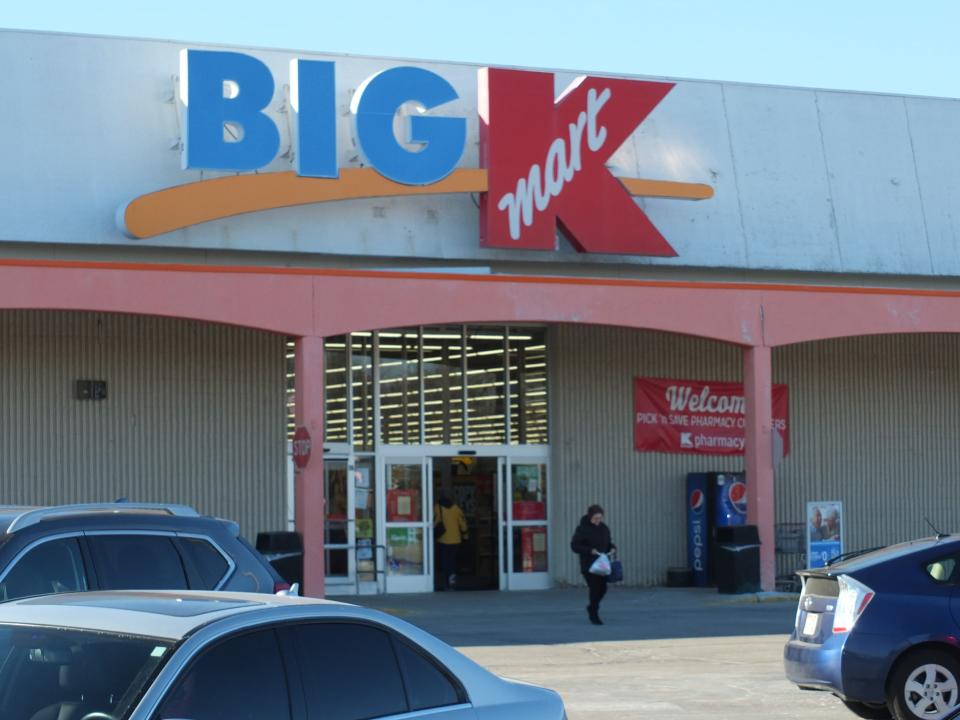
[{"x": 448, "y": 514}]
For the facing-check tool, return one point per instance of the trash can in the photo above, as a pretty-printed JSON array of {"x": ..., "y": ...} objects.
[
  {"x": 738, "y": 559},
  {"x": 679, "y": 577}
]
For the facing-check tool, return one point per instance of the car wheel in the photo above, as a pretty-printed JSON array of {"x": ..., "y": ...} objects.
[
  {"x": 925, "y": 686},
  {"x": 871, "y": 712}
]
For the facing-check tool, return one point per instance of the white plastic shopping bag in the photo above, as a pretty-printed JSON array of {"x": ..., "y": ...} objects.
[{"x": 601, "y": 566}]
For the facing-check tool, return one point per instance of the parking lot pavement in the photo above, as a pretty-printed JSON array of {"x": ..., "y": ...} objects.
[{"x": 663, "y": 653}]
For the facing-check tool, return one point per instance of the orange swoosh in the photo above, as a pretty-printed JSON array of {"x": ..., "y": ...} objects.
[{"x": 181, "y": 206}]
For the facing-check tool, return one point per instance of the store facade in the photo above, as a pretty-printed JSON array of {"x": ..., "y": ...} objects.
[{"x": 467, "y": 278}]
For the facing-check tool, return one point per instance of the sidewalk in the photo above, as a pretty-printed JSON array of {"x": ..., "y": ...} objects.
[{"x": 559, "y": 616}]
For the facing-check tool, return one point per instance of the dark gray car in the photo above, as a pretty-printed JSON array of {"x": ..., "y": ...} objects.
[{"x": 125, "y": 546}]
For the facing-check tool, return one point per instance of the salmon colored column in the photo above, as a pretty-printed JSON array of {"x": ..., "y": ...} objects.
[
  {"x": 758, "y": 393},
  {"x": 310, "y": 511}
]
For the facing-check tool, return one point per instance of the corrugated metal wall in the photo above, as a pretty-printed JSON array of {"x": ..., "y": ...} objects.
[
  {"x": 194, "y": 414},
  {"x": 591, "y": 436},
  {"x": 874, "y": 424}
]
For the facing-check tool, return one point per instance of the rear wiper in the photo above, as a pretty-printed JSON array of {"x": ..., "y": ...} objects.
[{"x": 853, "y": 554}]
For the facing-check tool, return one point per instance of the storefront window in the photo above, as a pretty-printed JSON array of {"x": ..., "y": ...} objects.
[
  {"x": 335, "y": 354},
  {"x": 365, "y": 513},
  {"x": 528, "y": 386},
  {"x": 443, "y": 385},
  {"x": 405, "y": 493},
  {"x": 529, "y": 487},
  {"x": 400, "y": 387},
  {"x": 486, "y": 402},
  {"x": 335, "y": 527},
  {"x": 405, "y": 551},
  {"x": 362, "y": 361},
  {"x": 291, "y": 385},
  {"x": 530, "y": 549},
  {"x": 437, "y": 385}
]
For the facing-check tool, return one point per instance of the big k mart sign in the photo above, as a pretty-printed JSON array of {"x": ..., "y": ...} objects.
[{"x": 543, "y": 158}]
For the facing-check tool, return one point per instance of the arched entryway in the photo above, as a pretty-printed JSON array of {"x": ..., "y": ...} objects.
[{"x": 313, "y": 304}]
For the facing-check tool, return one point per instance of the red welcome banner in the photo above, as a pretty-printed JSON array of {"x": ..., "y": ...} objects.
[{"x": 693, "y": 416}]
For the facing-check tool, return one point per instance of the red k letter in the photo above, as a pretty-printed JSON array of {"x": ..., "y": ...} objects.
[{"x": 545, "y": 163}]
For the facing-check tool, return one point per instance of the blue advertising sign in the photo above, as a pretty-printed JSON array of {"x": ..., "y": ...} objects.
[
  {"x": 698, "y": 530},
  {"x": 824, "y": 532}
]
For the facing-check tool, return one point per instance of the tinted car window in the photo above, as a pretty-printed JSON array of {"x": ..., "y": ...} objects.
[
  {"x": 242, "y": 678},
  {"x": 427, "y": 686},
  {"x": 137, "y": 562},
  {"x": 350, "y": 672},
  {"x": 942, "y": 570},
  {"x": 207, "y": 560},
  {"x": 51, "y": 567}
]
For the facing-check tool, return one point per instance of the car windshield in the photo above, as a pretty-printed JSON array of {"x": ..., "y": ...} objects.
[{"x": 58, "y": 673}]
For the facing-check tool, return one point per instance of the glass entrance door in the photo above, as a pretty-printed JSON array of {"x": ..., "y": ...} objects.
[
  {"x": 408, "y": 520},
  {"x": 338, "y": 530},
  {"x": 352, "y": 556},
  {"x": 524, "y": 525}
]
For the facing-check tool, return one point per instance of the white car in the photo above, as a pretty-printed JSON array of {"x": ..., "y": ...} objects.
[{"x": 166, "y": 655}]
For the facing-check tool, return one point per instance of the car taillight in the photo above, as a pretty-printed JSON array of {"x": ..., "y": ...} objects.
[
  {"x": 853, "y": 600},
  {"x": 803, "y": 590}
]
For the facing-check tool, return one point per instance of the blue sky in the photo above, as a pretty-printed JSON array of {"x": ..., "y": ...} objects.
[{"x": 877, "y": 45}]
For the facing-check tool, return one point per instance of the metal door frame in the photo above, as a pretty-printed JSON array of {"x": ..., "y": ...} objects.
[{"x": 339, "y": 584}]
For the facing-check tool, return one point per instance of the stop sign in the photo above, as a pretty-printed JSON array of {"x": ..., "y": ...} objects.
[{"x": 301, "y": 447}]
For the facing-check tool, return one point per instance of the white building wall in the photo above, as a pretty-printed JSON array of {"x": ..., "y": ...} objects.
[
  {"x": 873, "y": 423},
  {"x": 194, "y": 414},
  {"x": 591, "y": 436}
]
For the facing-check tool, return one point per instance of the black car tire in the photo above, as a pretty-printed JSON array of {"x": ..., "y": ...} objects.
[
  {"x": 871, "y": 712},
  {"x": 947, "y": 672}
]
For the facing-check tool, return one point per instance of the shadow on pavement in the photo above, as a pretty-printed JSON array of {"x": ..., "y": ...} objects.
[{"x": 465, "y": 619}]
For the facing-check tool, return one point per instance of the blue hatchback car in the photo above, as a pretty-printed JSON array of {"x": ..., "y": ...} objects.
[{"x": 881, "y": 630}]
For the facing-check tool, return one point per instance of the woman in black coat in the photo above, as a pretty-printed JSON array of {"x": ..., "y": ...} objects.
[{"x": 591, "y": 539}]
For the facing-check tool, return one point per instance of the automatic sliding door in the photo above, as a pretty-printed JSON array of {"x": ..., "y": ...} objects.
[
  {"x": 526, "y": 564},
  {"x": 408, "y": 519}
]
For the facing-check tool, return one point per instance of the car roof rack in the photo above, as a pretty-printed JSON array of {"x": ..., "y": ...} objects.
[{"x": 32, "y": 517}]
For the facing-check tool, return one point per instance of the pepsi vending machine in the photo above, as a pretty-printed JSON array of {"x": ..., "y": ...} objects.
[{"x": 713, "y": 500}]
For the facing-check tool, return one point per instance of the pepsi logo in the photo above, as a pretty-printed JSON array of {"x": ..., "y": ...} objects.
[
  {"x": 697, "y": 501},
  {"x": 738, "y": 496}
]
